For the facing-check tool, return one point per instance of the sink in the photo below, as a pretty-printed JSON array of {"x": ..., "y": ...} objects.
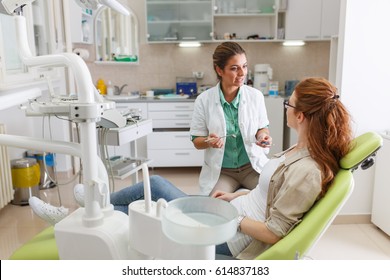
[{"x": 199, "y": 220}]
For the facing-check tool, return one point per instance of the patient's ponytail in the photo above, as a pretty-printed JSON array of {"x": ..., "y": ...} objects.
[{"x": 329, "y": 124}]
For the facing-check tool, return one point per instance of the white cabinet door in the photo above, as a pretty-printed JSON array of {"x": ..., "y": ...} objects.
[
  {"x": 172, "y": 149},
  {"x": 381, "y": 197},
  {"x": 303, "y": 20},
  {"x": 330, "y": 18},
  {"x": 312, "y": 20},
  {"x": 81, "y": 24}
]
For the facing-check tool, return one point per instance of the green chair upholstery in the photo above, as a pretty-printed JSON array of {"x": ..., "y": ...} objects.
[
  {"x": 315, "y": 222},
  {"x": 296, "y": 243},
  {"x": 42, "y": 247}
]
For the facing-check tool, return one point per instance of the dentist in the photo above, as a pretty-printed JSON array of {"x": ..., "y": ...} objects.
[{"x": 230, "y": 123}]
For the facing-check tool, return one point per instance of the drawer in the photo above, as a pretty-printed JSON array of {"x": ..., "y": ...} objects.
[
  {"x": 171, "y": 123},
  {"x": 170, "y": 115},
  {"x": 171, "y": 106},
  {"x": 175, "y": 158},
  {"x": 123, "y": 135},
  {"x": 170, "y": 140}
]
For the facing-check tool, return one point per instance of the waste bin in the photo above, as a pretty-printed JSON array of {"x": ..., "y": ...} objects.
[
  {"x": 25, "y": 179},
  {"x": 47, "y": 174}
]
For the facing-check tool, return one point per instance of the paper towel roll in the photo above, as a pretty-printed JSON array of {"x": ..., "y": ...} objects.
[{"x": 83, "y": 53}]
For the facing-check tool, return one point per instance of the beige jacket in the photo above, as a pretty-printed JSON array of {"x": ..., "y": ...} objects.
[{"x": 294, "y": 188}]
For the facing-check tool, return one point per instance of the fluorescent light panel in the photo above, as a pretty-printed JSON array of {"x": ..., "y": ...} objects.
[
  {"x": 189, "y": 44},
  {"x": 296, "y": 43}
]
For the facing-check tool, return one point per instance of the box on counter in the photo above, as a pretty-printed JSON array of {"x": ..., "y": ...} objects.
[{"x": 186, "y": 85}]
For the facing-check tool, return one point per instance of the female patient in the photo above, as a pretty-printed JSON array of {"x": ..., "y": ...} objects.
[{"x": 289, "y": 184}]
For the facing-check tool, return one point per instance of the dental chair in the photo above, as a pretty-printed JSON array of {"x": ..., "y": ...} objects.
[
  {"x": 304, "y": 236},
  {"x": 293, "y": 246}
]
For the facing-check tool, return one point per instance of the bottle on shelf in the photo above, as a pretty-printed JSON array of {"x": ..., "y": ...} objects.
[
  {"x": 110, "y": 89},
  {"x": 101, "y": 86}
]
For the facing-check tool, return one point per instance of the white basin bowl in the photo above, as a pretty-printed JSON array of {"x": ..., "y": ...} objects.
[{"x": 199, "y": 220}]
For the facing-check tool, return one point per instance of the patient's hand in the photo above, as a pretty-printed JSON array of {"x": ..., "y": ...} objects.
[{"x": 224, "y": 195}]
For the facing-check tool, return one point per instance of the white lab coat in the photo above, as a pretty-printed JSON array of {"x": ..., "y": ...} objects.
[{"x": 208, "y": 117}]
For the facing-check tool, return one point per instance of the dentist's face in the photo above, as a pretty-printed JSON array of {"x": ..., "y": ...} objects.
[{"x": 235, "y": 71}]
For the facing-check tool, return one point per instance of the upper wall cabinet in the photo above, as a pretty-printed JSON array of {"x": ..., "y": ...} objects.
[
  {"x": 245, "y": 19},
  {"x": 116, "y": 37},
  {"x": 312, "y": 20},
  {"x": 81, "y": 24},
  {"x": 254, "y": 20},
  {"x": 179, "y": 20}
]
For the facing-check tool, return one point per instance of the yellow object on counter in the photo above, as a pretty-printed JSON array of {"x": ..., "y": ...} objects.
[{"x": 101, "y": 86}]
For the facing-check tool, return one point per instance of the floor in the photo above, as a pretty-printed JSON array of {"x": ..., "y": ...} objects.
[{"x": 18, "y": 224}]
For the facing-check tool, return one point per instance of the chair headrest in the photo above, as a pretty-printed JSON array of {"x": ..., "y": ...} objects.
[{"x": 363, "y": 147}]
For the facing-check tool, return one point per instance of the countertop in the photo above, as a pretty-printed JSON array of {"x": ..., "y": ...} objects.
[{"x": 142, "y": 99}]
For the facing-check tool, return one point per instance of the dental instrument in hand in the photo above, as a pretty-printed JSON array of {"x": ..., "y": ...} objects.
[{"x": 229, "y": 135}]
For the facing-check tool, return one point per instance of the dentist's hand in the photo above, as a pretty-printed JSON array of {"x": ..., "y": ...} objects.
[
  {"x": 264, "y": 140},
  {"x": 214, "y": 141}
]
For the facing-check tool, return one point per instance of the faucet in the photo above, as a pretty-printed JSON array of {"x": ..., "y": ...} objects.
[{"x": 118, "y": 90}]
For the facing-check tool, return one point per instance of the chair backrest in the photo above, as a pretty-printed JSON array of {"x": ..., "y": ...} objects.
[{"x": 315, "y": 222}]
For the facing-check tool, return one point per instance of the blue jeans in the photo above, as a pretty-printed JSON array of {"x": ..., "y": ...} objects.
[{"x": 159, "y": 188}]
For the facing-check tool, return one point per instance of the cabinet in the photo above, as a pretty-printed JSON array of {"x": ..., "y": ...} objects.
[
  {"x": 170, "y": 145},
  {"x": 178, "y": 20},
  {"x": 312, "y": 20},
  {"x": 81, "y": 25},
  {"x": 245, "y": 18},
  {"x": 381, "y": 196}
]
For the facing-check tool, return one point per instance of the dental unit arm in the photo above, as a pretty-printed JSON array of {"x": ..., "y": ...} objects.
[{"x": 88, "y": 227}]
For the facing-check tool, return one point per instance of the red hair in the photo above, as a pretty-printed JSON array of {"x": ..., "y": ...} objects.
[{"x": 329, "y": 125}]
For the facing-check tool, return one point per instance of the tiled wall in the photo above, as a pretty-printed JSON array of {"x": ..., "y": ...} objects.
[{"x": 160, "y": 64}]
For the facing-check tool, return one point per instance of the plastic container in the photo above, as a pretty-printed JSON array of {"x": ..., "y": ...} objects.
[
  {"x": 199, "y": 220},
  {"x": 25, "y": 179}
]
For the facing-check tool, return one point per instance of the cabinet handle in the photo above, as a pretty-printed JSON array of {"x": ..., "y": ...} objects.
[
  {"x": 183, "y": 116},
  {"x": 170, "y": 38},
  {"x": 181, "y": 136},
  {"x": 182, "y": 154},
  {"x": 182, "y": 107},
  {"x": 186, "y": 124},
  {"x": 312, "y": 37}
]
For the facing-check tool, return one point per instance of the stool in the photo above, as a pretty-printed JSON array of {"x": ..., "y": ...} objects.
[{"x": 25, "y": 179}]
